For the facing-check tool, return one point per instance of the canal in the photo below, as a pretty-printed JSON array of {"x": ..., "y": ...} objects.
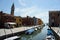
[{"x": 37, "y": 35}]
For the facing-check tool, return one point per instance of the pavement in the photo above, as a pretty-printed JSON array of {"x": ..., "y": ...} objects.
[
  {"x": 14, "y": 30},
  {"x": 57, "y": 30}
]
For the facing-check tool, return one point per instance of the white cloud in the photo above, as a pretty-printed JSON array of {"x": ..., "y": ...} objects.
[
  {"x": 22, "y": 2},
  {"x": 32, "y": 11},
  {"x": 25, "y": 11}
]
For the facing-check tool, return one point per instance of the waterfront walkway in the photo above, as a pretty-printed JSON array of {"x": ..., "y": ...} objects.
[
  {"x": 14, "y": 30},
  {"x": 57, "y": 30}
]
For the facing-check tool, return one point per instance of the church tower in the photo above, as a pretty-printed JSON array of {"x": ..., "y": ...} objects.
[{"x": 12, "y": 9}]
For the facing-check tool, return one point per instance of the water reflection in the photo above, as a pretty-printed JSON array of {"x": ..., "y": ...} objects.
[{"x": 37, "y": 35}]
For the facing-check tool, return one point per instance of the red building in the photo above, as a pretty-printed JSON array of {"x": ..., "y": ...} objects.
[
  {"x": 27, "y": 21},
  {"x": 4, "y": 17},
  {"x": 54, "y": 18}
]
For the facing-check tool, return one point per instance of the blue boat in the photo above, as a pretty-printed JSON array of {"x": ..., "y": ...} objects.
[
  {"x": 30, "y": 31},
  {"x": 50, "y": 32}
]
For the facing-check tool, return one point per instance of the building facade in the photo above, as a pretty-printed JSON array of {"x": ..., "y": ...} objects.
[
  {"x": 54, "y": 18},
  {"x": 27, "y": 21},
  {"x": 5, "y": 17},
  {"x": 35, "y": 20},
  {"x": 40, "y": 22},
  {"x": 18, "y": 20}
]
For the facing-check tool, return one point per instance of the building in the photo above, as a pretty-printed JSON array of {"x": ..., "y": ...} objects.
[
  {"x": 27, "y": 21},
  {"x": 18, "y": 20},
  {"x": 12, "y": 9},
  {"x": 40, "y": 22},
  {"x": 54, "y": 18},
  {"x": 5, "y": 17},
  {"x": 35, "y": 20}
]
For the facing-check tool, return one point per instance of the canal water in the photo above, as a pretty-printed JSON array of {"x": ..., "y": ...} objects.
[{"x": 37, "y": 35}]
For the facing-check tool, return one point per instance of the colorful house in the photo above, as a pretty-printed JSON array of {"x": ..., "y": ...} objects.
[{"x": 18, "y": 20}]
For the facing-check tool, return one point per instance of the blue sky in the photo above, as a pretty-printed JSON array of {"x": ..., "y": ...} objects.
[{"x": 37, "y": 8}]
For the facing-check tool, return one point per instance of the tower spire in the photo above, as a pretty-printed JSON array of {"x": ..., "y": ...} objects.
[{"x": 12, "y": 9}]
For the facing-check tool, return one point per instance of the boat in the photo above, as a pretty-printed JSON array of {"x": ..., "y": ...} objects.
[
  {"x": 13, "y": 38},
  {"x": 36, "y": 29},
  {"x": 49, "y": 32},
  {"x": 50, "y": 37},
  {"x": 9, "y": 25},
  {"x": 30, "y": 31}
]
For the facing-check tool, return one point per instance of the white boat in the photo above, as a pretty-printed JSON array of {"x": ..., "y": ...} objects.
[
  {"x": 36, "y": 29},
  {"x": 13, "y": 38},
  {"x": 50, "y": 37},
  {"x": 9, "y": 24}
]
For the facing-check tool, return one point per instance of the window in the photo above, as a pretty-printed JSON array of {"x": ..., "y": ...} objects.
[{"x": 58, "y": 14}]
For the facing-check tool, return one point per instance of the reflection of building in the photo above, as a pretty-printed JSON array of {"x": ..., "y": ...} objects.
[{"x": 54, "y": 18}]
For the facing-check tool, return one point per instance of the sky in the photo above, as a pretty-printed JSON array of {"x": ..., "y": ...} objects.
[{"x": 37, "y": 8}]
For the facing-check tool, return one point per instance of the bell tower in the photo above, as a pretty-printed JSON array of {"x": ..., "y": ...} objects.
[{"x": 12, "y": 9}]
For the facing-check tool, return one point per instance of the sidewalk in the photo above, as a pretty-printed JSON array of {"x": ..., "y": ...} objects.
[
  {"x": 57, "y": 30},
  {"x": 14, "y": 30}
]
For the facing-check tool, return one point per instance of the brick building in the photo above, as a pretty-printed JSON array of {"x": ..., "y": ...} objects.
[
  {"x": 27, "y": 21},
  {"x": 54, "y": 18},
  {"x": 31, "y": 21}
]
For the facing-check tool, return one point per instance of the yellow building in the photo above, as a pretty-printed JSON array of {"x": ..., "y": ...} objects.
[
  {"x": 18, "y": 20},
  {"x": 40, "y": 22}
]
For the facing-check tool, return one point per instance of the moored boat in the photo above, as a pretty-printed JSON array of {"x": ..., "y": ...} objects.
[
  {"x": 50, "y": 37},
  {"x": 36, "y": 29},
  {"x": 13, "y": 38},
  {"x": 30, "y": 31}
]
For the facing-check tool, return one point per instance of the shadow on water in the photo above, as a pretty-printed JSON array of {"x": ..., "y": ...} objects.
[{"x": 36, "y": 35}]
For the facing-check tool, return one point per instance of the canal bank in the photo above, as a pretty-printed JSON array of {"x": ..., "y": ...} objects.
[
  {"x": 5, "y": 33},
  {"x": 54, "y": 29}
]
